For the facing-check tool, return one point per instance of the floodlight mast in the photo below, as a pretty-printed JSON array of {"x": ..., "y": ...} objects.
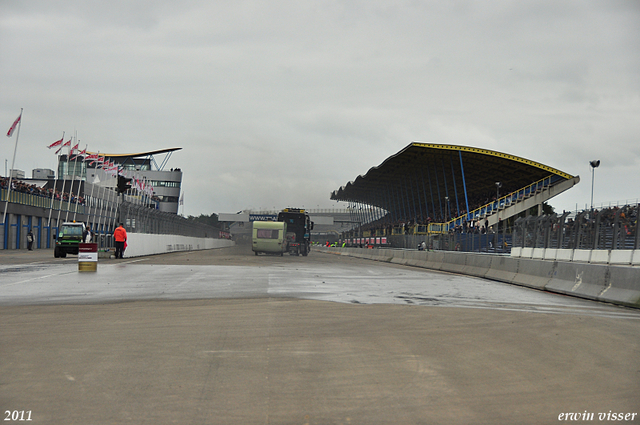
[{"x": 594, "y": 164}]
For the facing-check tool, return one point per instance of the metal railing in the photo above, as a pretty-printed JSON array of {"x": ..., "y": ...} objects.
[
  {"x": 41, "y": 201},
  {"x": 608, "y": 228},
  {"x": 140, "y": 219},
  {"x": 504, "y": 201}
]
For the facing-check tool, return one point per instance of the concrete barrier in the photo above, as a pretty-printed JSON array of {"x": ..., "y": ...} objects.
[
  {"x": 416, "y": 258},
  {"x": 583, "y": 255},
  {"x": 526, "y": 252},
  {"x": 534, "y": 273},
  {"x": 550, "y": 254},
  {"x": 503, "y": 269},
  {"x": 139, "y": 244},
  {"x": 564, "y": 255},
  {"x": 434, "y": 260},
  {"x": 454, "y": 262},
  {"x": 398, "y": 257},
  {"x": 599, "y": 256},
  {"x": 478, "y": 264},
  {"x": 623, "y": 286},
  {"x": 621, "y": 257},
  {"x": 538, "y": 253},
  {"x": 601, "y": 282},
  {"x": 578, "y": 279}
]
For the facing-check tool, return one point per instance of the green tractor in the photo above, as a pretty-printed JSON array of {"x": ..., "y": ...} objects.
[{"x": 68, "y": 240}]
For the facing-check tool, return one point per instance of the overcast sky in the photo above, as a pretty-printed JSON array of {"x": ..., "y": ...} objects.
[{"x": 277, "y": 103}]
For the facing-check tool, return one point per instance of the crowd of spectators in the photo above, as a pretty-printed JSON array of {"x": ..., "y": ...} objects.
[
  {"x": 608, "y": 228},
  {"x": 32, "y": 189},
  {"x": 385, "y": 226}
]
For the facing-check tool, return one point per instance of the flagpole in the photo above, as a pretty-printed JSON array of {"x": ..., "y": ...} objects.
[
  {"x": 92, "y": 186},
  {"x": 66, "y": 216},
  {"x": 75, "y": 169},
  {"x": 106, "y": 202},
  {"x": 103, "y": 209},
  {"x": 13, "y": 162},
  {"x": 114, "y": 207},
  {"x": 53, "y": 191},
  {"x": 64, "y": 183},
  {"x": 98, "y": 200}
]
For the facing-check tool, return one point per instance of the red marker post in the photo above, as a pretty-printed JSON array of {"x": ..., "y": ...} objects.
[{"x": 88, "y": 257}]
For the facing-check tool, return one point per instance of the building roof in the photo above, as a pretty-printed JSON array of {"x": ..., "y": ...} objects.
[
  {"x": 424, "y": 174},
  {"x": 135, "y": 155}
]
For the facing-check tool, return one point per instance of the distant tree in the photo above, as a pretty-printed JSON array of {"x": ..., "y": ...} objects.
[
  {"x": 546, "y": 210},
  {"x": 211, "y": 220}
]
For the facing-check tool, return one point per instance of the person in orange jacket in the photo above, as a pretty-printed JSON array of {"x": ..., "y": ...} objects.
[{"x": 120, "y": 236}]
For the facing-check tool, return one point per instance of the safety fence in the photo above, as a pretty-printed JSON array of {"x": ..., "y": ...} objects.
[
  {"x": 464, "y": 242},
  {"x": 43, "y": 222},
  {"x": 42, "y": 201},
  {"x": 140, "y": 219},
  {"x": 608, "y": 228}
]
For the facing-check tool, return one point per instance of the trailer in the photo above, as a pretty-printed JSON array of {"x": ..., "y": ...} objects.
[{"x": 269, "y": 237}]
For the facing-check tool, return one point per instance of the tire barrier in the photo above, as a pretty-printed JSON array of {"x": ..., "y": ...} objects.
[{"x": 617, "y": 284}]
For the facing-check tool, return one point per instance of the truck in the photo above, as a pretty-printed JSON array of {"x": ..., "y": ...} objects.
[
  {"x": 68, "y": 239},
  {"x": 299, "y": 227},
  {"x": 268, "y": 237}
]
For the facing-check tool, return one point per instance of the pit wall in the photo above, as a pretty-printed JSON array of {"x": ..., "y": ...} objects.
[
  {"x": 139, "y": 244},
  {"x": 601, "y": 282}
]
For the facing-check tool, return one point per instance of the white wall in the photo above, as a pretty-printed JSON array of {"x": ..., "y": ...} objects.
[{"x": 144, "y": 244}]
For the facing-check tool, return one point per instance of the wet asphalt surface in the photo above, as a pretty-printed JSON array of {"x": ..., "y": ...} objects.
[
  {"x": 37, "y": 278},
  {"x": 226, "y": 337}
]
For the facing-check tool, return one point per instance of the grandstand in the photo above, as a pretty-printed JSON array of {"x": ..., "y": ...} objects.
[
  {"x": 432, "y": 188},
  {"x": 142, "y": 166}
]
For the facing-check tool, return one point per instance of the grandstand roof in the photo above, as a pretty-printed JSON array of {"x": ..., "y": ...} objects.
[
  {"x": 135, "y": 155},
  {"x": 422, "y": 175},
  {"x": 140, "y": 157}
]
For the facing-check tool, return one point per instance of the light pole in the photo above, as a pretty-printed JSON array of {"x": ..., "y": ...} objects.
[
  {"x": 446, "y": 199},
  {"x": 498, "y": 186},
  {"x": 594, "y": 164}
]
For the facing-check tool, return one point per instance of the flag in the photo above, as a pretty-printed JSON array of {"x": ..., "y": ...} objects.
[
  {"x": 75, "y": 148},
  {"x": 55, "y": 144},
  {"x": 82, "y": 153},
  {"x": 14, "y": 125},
  {"x": 66, "y": 144}
]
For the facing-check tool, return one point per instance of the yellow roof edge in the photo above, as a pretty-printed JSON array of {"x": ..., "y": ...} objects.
[{"x": 494, "y": 153}]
